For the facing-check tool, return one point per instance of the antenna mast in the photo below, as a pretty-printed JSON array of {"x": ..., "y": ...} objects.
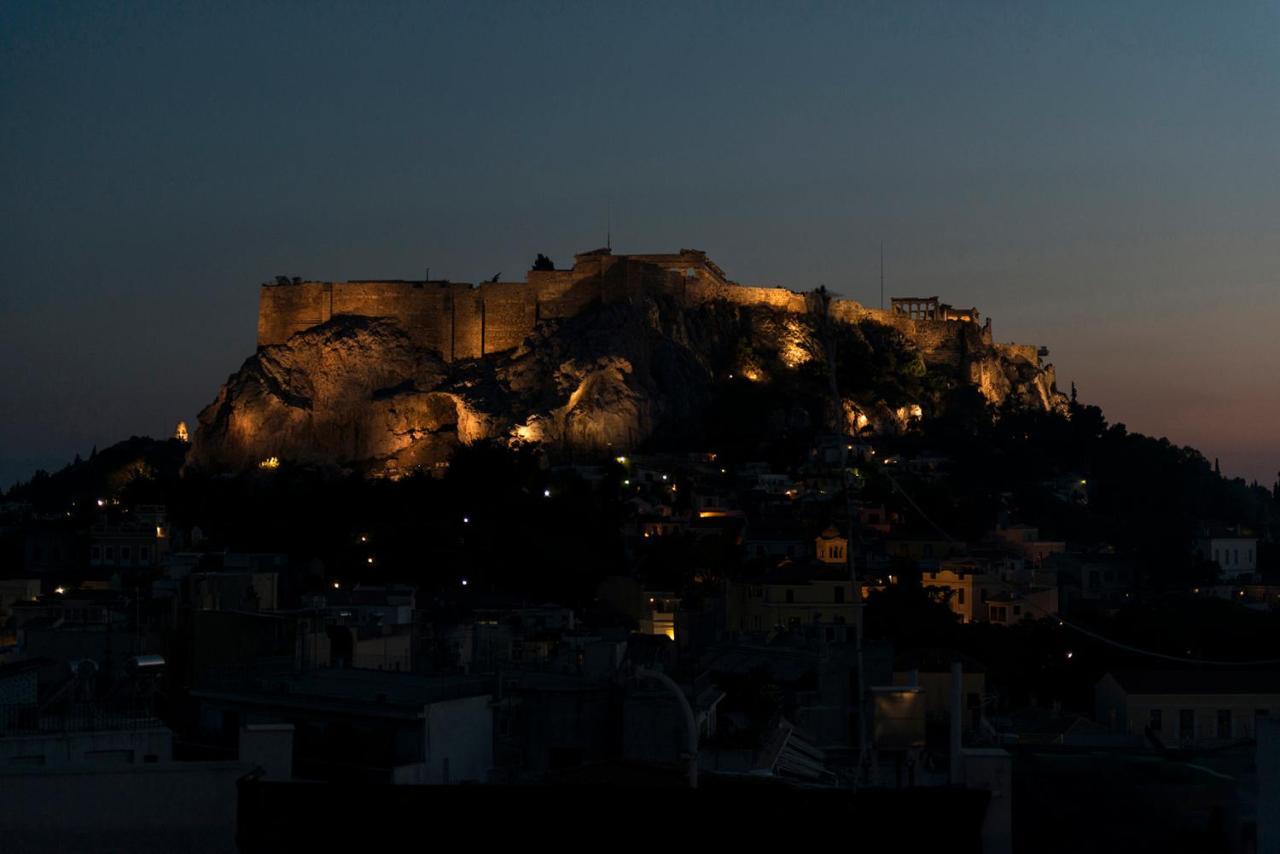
[
  {"x": 882, "y": 275},
  {"x": 608, "y": 226}
]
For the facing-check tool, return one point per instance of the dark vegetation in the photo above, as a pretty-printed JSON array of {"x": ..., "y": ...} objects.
[{"x": 488, "y": 520}]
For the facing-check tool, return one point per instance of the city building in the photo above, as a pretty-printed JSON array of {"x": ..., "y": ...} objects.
[
  {"x": 366, "y": 725},
  {"x": 1232, "y": 549},
  {"x": 1187, "y": 707}
]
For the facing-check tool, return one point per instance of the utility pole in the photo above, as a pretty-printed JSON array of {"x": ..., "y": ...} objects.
[{"x": 823, "y": 305}]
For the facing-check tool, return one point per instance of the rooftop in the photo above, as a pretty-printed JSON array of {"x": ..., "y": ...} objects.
[
  {"x": 354, "y": 688},
  {"x": 1199, "y": 681}
]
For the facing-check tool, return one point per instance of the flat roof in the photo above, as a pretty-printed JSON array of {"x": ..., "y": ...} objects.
[
  {"x": 386, "y": 689},
  {"x": 1199, "y": 681}
]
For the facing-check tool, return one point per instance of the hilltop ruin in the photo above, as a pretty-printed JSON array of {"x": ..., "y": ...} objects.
[{"x": 390, "y": 375}]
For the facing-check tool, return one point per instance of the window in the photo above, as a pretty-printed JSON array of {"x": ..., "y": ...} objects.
[
  {"x": 126, "y": 553},
  {"x": 791, "y": 596},
  {"x": 1186, "y": 724},
  {"x": 1157, "y": 720},
  {"x": 1017, "y": 610},
  {"x": 111, "y": 554},
  {"x": 960, "y": 595},
  {"x": 1224, "y": 723},
  {"x": 95, "y": 553},
  {"x": 839, "y": 593},
  {"x": 144, "y": 554}
]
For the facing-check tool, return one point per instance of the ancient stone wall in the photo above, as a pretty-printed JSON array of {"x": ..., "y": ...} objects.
[
  {"x": 285, "y": 310},
  {"x": 467, "y": 324},
  {"x": 509, "y": 313},
  {"x": 462, "y": 321},
  {"x": 698, "y": 291}
]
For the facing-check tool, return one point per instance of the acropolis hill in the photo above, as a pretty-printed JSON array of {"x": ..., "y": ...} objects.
[
  {"x": 459, "y": 320},
  {"x": 388, "y": 375}
]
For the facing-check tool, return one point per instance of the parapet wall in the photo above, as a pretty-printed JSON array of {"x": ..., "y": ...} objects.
[{"x": 462, "y": 321}]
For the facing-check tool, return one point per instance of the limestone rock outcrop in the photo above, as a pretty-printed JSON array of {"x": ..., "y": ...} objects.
[{"x": 358, "y": 392}]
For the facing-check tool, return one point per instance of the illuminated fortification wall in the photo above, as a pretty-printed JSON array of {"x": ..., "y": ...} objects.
[{"x": 463, "y": 321}]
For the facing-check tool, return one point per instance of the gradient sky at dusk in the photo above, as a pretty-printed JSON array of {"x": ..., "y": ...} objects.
[{"x": 1100, "y": 178}]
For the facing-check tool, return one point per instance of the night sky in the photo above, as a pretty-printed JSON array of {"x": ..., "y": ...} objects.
[{"x": 1100, "y": 178}]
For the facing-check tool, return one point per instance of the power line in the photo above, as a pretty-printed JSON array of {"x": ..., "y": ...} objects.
[{"x": 1137, "y": 650}]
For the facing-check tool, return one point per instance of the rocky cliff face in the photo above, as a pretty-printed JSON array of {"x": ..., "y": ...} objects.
[{"x": 356, "y": 392}]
